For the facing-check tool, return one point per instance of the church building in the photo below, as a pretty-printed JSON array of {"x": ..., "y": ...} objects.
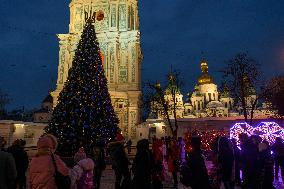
[{"x": 206, "y": 101}]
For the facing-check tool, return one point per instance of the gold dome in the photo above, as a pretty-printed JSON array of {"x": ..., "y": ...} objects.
[{"x": 205, "y": 78}]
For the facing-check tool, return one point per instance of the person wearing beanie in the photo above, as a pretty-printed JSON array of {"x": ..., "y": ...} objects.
[
  {"x": 22, "y": 161},
  {"x": 142, "y": 166},
  {"x": 8, "y": 172},
  {"x": 265, "y": 167},
  {"x": 195, "y": 161},
  {"x": 98, "y": 157},
  {"x": 120, "y": 164},
  {"x": 41, "y": 167},
  {"x": 82, "y": 173}
]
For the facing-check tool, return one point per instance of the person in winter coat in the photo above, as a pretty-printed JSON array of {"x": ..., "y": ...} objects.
[
  {"x": 265, "y": 167},
  {"x": 223, "y": 151},
  {"x": 142, "y": 166},
  {"x": 8, "y": 172},
  {"x": 195, "y": 160},
  {"x": 82, "y": 173},
  {"x": 237, "y": 154},
  {"x": 173, "y": 161},
  {"x": 41, "y": 167},
  {"x": 119, "y": 164},
  {"x": 158, "y": 169},
  {"x": 22, "y": 162},
  {"x": 128, "y": 145},
  {"x": 2, "y": 144},
  {"x": 99, "y": 160},
  {"x": 278, "y": 151},
  {"x": 248, "y": 157}
]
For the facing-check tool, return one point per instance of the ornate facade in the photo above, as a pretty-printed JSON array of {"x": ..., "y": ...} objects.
[
  {"x": 117, "y": 27},
  {"x": 206, "y": 101}
]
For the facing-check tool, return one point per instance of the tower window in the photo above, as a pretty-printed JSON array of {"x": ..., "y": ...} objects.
[
  {"x": 209, "y": 94},
  {"x": 226, "y": 104},
  {"x": 214, "y": 96}
]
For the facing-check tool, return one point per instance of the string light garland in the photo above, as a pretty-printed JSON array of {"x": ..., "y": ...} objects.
[
  {"x": 239, "y": 128},
  {"x": 266, "y": 130},
  {"x": 207, "y": 138}
]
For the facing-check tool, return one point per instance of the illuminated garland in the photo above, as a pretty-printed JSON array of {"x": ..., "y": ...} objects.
[
  {"x": 266, "y": 130},
  {"x": 207, "y": 138},
  {"x": 239, "y": 128}
]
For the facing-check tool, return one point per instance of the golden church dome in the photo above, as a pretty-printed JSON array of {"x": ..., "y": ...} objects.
[{"x": 205, "y": 78}]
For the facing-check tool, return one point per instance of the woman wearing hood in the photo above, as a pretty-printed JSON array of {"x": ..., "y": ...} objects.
[{"x": 41, "y": 167}]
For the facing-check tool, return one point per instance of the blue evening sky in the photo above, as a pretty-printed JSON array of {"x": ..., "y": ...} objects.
[{"x": 174, "y": 32}]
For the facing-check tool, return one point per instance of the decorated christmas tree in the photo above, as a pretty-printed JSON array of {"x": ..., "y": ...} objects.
[{"x": 84, "y": 113}]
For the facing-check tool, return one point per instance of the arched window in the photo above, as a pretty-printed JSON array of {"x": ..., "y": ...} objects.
[
  {"x": 198, "y": 105},
  {"x": 226, "y": 104},
  {"x": 209, "y": 94},
  {"x": 214, "y": 96}
]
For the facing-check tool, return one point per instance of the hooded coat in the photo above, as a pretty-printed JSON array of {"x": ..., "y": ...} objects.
[
  {"x": 8, "y": 170},
  {"x": 41, "y": 168},
  {"x": 76, "y": 173},
  {"x": 142, "y": 166}
]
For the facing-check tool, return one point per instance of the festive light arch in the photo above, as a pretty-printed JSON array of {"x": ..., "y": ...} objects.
[
  {"x": 239, "y": 128},
  {"x": 266, "y": 130}
]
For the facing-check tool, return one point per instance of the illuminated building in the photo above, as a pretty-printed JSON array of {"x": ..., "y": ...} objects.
[{"x": 117, "y": 27}]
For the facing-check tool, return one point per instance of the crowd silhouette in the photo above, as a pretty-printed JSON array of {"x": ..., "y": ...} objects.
[{"x": 250, "y": 163}]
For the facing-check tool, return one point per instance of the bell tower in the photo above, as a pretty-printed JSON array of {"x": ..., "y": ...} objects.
[{"x": 117, "y": 28}]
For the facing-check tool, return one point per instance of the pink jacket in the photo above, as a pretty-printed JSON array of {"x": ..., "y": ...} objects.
[{"x": 41, "y": 171}]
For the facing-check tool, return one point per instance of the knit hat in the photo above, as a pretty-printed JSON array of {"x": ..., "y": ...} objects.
[
  {"x": 44, "y": 142},
  {"x": 80, "y": 155}
]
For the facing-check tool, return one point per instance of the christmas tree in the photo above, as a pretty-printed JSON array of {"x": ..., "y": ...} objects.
[{"x": 84, "y": 112}]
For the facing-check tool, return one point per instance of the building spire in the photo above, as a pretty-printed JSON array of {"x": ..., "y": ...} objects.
[
  {"x": 204, "y": 66},
  {"x": 205, "y": 78},
  {"x": 91, "y": 16}
]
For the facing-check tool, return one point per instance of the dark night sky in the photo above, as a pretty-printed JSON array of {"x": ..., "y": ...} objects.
[{"x": 174, "y": 32}]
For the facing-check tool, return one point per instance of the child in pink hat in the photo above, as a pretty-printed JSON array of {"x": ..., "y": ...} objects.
[{"x": 82, "y": 173}]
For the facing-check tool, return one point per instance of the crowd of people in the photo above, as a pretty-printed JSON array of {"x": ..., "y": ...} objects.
[{"x": 250, "y": 165}]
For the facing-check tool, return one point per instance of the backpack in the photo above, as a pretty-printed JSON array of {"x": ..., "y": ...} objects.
[
  {"x": 86, "y": 180},
  {"x": 185, "y": 174}
]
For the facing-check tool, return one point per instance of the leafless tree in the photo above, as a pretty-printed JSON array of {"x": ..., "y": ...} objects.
[
  {"x": 242, "y": 75},
  {"x": 162, "y": 105},
  {"x": 275, "y": 86}
]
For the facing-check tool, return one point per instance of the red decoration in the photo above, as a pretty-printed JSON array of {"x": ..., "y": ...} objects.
[
  {"x": 207, "y": 138},
  {"x": 119, "y": 137}
]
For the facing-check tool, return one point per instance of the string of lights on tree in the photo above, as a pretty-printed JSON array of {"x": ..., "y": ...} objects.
[
  {"x": 84, "y": 113},
  {"x": 207, "y": 138}
]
